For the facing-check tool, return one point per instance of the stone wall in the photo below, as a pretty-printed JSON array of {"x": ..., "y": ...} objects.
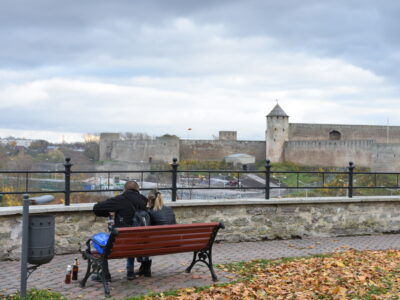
[
  {"x": 245, "y": 220},
  {"x": 304, "y": 131},
  {"x": 385, "y": 158},
  {"x": 329, "y": 153},
  {"x": 112, "y": 148},
  {"x": 216, "y": 150},
  {"x": 145, "y": 150},
  {"x": 105, "y": 144}
]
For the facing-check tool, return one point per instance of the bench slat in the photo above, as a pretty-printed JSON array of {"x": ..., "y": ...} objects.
[
  {"x": 153, "y": 252},
  {"x": 175, "y": 235},
  {"x": 158, "y": 244},
  {"x": 136, "y": 234},
  {"x": 167, "y": 227},
  {"x": 160, "y": 237}
]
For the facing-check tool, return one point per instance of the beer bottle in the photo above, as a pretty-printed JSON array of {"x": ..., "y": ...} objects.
[
  {"x": 68, "y": 275},
  {"x": 75, "y": 270}
]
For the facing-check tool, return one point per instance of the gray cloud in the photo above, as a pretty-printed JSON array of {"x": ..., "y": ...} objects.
[
  {"x": 54, "y": 32},
  {"x": 84, "y": 66}
]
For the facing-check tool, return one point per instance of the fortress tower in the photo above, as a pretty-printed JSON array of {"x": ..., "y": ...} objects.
[
  {"x": 106, "y": 141},
  {"x": 277, "y": 134}
]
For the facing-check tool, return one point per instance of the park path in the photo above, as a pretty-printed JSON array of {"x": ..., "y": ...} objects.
[{"x": 168, "y": 271}]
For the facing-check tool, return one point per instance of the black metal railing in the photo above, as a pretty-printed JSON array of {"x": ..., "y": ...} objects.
[{"x": 175, "y": 180}]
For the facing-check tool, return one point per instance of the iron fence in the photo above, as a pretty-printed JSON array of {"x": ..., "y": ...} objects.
[{"x": 175, "y": 180}]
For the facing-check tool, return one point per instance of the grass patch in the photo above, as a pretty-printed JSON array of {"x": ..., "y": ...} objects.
[{"x": 35, "y": 294}]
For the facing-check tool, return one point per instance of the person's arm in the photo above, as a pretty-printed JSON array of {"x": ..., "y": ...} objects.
[{"x": 103, "y": 208}]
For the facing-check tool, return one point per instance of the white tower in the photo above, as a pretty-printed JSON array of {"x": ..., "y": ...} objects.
[{"x": 277, "y": 134}]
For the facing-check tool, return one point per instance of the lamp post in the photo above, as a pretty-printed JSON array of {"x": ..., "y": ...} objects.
[
  {"x": 279, "y": 179},
  {"x": 306, "y": 185}
]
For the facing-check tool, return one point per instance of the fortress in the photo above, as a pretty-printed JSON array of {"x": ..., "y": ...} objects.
[{"x": 377, "y": 147}]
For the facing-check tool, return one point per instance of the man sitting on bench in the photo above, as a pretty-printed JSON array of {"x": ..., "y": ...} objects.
[{"x": 123, "y": 206}]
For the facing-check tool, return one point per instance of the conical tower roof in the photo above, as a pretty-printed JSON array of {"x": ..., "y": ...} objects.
[{"x": 277, "y": 112}]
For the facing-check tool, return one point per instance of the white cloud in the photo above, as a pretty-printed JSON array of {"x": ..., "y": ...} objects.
[{"x": 166, "y": 78}]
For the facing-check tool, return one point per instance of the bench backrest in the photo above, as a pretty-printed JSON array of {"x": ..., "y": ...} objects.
[{"x": 158, "y": 240}]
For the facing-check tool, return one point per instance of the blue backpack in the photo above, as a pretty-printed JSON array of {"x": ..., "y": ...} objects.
[{"x": 99, "y": 241}]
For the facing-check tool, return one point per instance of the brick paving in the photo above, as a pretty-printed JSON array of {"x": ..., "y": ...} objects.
[{"x": 168, "y": 270}]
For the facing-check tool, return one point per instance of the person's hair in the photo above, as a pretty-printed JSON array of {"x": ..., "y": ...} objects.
[
  {"x": 156, "y": 200},
  {"x": 131, "y": 185}
]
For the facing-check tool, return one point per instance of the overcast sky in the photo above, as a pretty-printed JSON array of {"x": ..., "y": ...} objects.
[{"x": 72, "y": 67}]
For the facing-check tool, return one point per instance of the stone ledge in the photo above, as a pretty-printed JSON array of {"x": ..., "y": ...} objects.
[{"x": 17, "y": 210}]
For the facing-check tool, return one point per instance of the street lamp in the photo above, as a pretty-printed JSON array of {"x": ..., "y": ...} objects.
[
  {"x": 306, "y": 184},
  {"x": 279, "y": 179}
]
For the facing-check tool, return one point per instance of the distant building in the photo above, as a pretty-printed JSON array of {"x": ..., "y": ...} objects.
[{"x": 18, "y": 142}]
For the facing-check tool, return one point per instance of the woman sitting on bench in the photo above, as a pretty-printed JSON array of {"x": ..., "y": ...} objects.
[{"x": 159, "y": 215}]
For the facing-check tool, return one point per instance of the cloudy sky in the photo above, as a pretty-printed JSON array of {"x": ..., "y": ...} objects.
[{"x": 72, "y": 67}]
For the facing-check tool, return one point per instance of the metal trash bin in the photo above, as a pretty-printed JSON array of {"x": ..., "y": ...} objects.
[{"x": 41, "y": 239}]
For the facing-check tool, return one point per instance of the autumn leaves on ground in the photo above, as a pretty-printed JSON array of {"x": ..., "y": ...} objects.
[{"x": 343, "y": 275}]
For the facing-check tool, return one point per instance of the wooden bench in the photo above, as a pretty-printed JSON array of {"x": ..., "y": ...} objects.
[{"x": 127, "y": 242}]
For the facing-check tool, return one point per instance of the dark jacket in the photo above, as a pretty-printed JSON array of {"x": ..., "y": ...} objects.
[
  {"x": 123, "y": 205},
  {"x": 164, "y": 216}
]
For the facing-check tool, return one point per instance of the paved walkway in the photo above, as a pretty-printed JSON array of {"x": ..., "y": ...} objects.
[{"x": 168, "y": 271}]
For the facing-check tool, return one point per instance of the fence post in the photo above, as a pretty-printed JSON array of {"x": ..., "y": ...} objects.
[
  {"x": 267, "y": 178},
  {"x": 67, "y": 177},
  {"x": 350, "y": 186},
  {"x": 174, "y": 166}
]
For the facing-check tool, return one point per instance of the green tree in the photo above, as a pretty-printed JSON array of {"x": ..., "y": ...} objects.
[{"x": 55, "y": 156}]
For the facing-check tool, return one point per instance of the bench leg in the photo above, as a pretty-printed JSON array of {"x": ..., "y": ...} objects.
[
  {"x": 97, "y": 266},
  {"x": 85, "y": 278},
  {"x": 102, "y": 273},
  {"x": 206, "y": 258}
]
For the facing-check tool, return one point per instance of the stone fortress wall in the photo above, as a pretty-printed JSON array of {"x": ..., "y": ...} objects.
[
  {"x": 329, "y": 153},
  {"x": 216, "y": 150},
  {"x": 380, "y": 134},
  {"x": 335, "y": 145},
  {"x": 369, "y": 146},
  {"x": 377, "y": 147},
  {"x": 145, "y": 150},
  {"x": 113, "y": 148}
]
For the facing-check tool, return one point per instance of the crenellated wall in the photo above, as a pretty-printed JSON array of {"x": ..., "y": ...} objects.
[
  {"x": 145, "y": 150},
  {"x": 245, "y": 220},
  {"x": 381, "y": 134}
]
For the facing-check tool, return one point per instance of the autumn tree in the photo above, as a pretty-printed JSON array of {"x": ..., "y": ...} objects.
[{"x": 39, "y": 146}]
